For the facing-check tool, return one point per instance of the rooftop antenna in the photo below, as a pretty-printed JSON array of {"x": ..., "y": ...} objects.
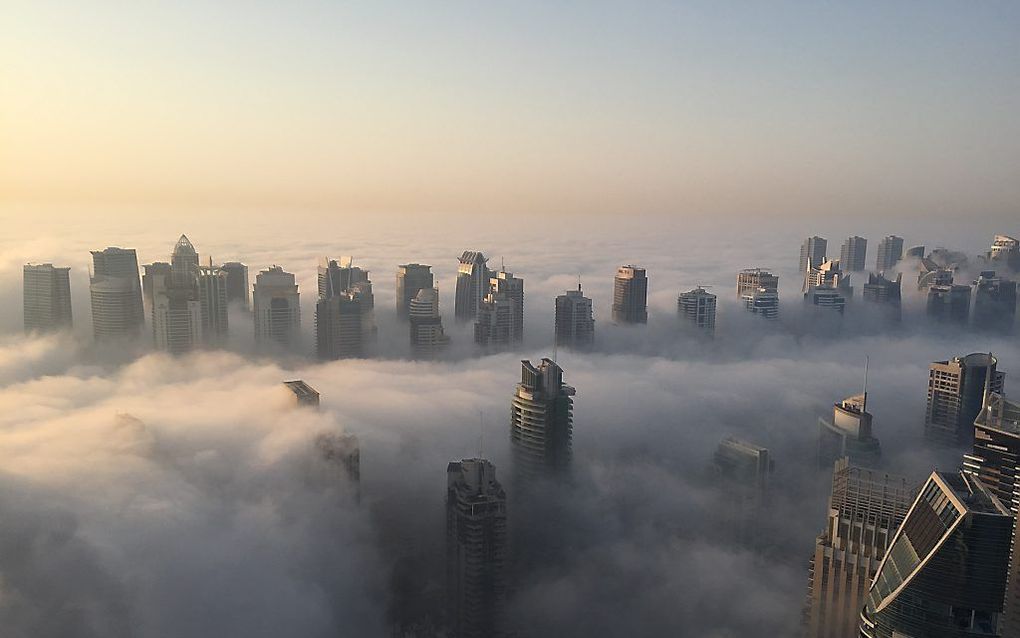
[
  {"x": 578, "y": 282},
  {"x": 481, "y": 434},
  {"x": 502, "y": 264},
  {"x": 867, "y": 363},
  {"x": 988, "y": 382}
]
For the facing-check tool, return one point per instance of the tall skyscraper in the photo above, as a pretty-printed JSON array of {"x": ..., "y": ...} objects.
[
  {"x": 698, "y": 307},
  {"x": 156, "y": 272},
  {"x": 853, "y": 254},
  {"x": 763, "y": 302},
  {"x": 890, "y": 252},
  {"x": 956, "y": 392},
  {"x": 116, "y": 294},
  {"x": 750, "y": 280},
  {"x": 949, "y": 304},
  {"x": 472, "y": 284},
  {"x": 825, "y": 296},
  {"x": 830, "y": 273},
  {"x": 184, "y": 263},
  {"x": 994, "y": 302},
  {"x": 304, "y": 394},
  {"x": 630, "y": 295},
  {"x": 237, "y": 283},
  {"x": 880, "y": 290},
  {"x": 47, "y": 298},
  {"x": 476, "y": 542},
  {"x": 411, "y": 278},
  {"x": 944, "y": 574},
  {"x": 500, "y": 321},
  {"x": 812, "y": 253},
  {"x": 1005, "y": 248},
  {"x": 344, "y": 312},
  {"x": 848, "y": 434},
  {"x": 995, "y": 459},
  {"x": 426, "y": 324},
  {"x": 575, "y": 321},
  {"x": 865, "y": 509},
  {"x": 541, "y": 421},
  {"x": 743, "y": 472},
  {"x": 176, "y": 317},
  {"x": 212, "y": 300},
  {"x": 277, "y": 307}
]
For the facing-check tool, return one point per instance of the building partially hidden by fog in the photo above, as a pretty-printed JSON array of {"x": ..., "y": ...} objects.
[
  {"x": 277, "y": 308},
  {"x": 47, "y": 298},
  {"x": 426, "y": 324},
  {"x": 574, "y": 320},
  {"x": 541, "y": 421},
  {"x": 853, "y": 254},
  {"x": 866, "y": 507},
  {"x": 500, "y": 319},
  {"x": 237, "y": 283},
  {"x": 697, "y": 307},
  {"x": 956, "y": 393},
  {"x": 848, "y": 434},
  {"x": 304, "y": 394},
  {"x": 630, "y": 295},
  {"x": 476, "y": 550},
  {"x": 1005, "y": 249},
  {"x": 344, "y": 311},
  {"x": 176, "y": 306},
  {"x": 212, "y": 300},
  {"x": 884, "y": 294},
  {"x": 758, "y": 290},
  {"x": 830, "y": 274},
  {"x": 995, "y": 458},
  {"x": 115, "y": 293},
  {"x": 994, "y": 302},
  {"x": 473, "y": 277},
  {"x": 890, "y": 252},
  {"x": 826, "y": 297},
  {"x": 944, "y": 574},
  {"x": 411, "y": 278},
  {"x": 949, "y": 304},
  {"x": 743, "y": 472},
  {"x": 812, "y": 253}
]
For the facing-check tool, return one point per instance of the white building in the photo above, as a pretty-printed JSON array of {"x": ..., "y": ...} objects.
[
  {"x": 277, "y": 308},
  {"x": 698, "y": 307},
  {"x": 426, "y": 324},
  {"x": 47, "y": 298}
]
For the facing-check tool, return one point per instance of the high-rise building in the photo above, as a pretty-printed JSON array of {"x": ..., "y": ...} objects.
[
  {"x": 848, "y": 434},
  {"x": 944, "y": 574},
  {"x": 277, "y": 307},
  {"x": 956, "y": 392},
  {"x": 853, "y": 254},
  {"x": 825, "y": 296},
  {"x": 812, "y": 253},
  {"x": 500, "y": 321},
  {"x": 698, "y": 307},
  {"x": 1004, "y": 248},
  {"x": 237, "y": 283},
  {"x": 830, "y": 273},
  {"x": 304, "y": 394},
  {"x": 916, "y": 252},
  {"x": 994, "y": 302},
  {"x": 575, "y": 321},
  {"x": 890, "y": 252},
  {"x": 541, "y": 421},
  {"x": 995, "y": 458},
  {"x": 116, "y": 294},
  {"x": 184, "y": 263},
  {"x": 949, "y": 304},
  {"x": 884, "y": 294},
  {"x": 156, "y": 272},
  {"x": 630, "y": 295},
  {"x": 743, "y": 472},
  {"x": 472, "y": 284},
  {"x": 47, "y": 298},
  {"x": 176, "y": 317},
  {"x": 763, "y": 302},
  {"x": 339, "y": 332},
  {"x": 866, "y": 507},
  {"x": 212, "y": 300},
  {"x": 341, "y": 278},
  {"x": 750, "y": 280},
  {"x": 476, "y": 545},
  {"x": 411, "y": 278},
  {"x": 426, "y": 324}
]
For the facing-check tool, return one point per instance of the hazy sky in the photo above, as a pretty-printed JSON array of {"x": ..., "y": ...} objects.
[{"x": 861, "y": 108}]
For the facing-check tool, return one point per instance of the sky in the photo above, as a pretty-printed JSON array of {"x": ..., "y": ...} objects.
[{"x": 442, "y": 109}]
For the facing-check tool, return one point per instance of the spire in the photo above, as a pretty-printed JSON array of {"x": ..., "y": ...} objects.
[{"x": 184, "y": 246}]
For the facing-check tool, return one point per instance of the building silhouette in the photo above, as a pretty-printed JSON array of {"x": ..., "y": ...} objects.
[
  {"x": 884, "y": 295},
  {"x": 825, "y": 296},
  {"x": 949, "y": 304},
  {"x": 829, "y": 273},
  {"x": 1005, "y": 249},
  {"x": 848, "y": 434},
  {"x": 183, "y": 263},
  {"x": 472, "y": 284},
  {"x": 47, "y": 298},
  {"x": 995, "y": 458},
  {"x": 411, "y": 278},
  {"x": 426, "y": 324},
  {"x": 237, "y": 283},
  {"x": 344, "y": 311},
  {"x": 212, "y": 300},
  {"x": 890, "y": 252},
  {"x": 500, "y": 320},
  {"x": 697, "y": 306},
  {"x": 750, "y": 280},
  {"x": 304, "y": 394},
  {"x": 541, "y": 422},
  {"x": 156, "y": 272},
  {"x": 944, "y": 574},
  {"x": 853, "y": 254},
  {"x": 743, "y": 472},
  {"x": 956, "y": 393},
  {"x": 115, "y": 292},
  {"x": 916, "y": 252},
  {"x": 277, "y": 308},
  {"x": 476, "y": 550},
  {"x": 812, "y": 253},
  {"x": 866, "y": 507},
  {"x": 176, "y": 305},
  {"x": 994, "y": 302},
  {"x": 630, "y": 295},
  {"x": 574, "y": 320},
  {"x": 763, "y": 302}
]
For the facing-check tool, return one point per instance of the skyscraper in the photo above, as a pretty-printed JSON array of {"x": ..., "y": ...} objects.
[
  {"x": 763, "y": 302},
  {"x": 426, "y": 324},
  {"x": 915, "y": 252},
  {"x": 956, "y": 392},
  {"x": 184, "y": 263},
  {"x": 277, "y": 307},
  {"x": 47, "y": 298},
  {"x": 890, "y": 252},
  {"x": 884, "y": 295},
  {"x": 698, "y": 307},
  {"x": 476, "y": 541},
  {"x": 848, "y": 434},
  {"x": 750, "y": 280},
  {"x": 830, "y": 273},
  {"x": 339, "y": 332},
  {"x": 541, "y": 421},
  {"x": 995, "y": 459},
  {"x": 410, "y": 279},
  {"x": 994, "y": 302},
  {"x": 949, "y": 304},
  {"x": 825, "y": 296},
  {"x": 472, "y": 284},
  {"x": 176, "y": 317},
  {"x": 575, "y": 321},
  {"x": 812, "y": 253},
  {"x": 866, "y": 507},
  {"x": 156, "y": 272},
  {"x": 212, "y": 300},
  {"x": 500, "y": 321},
  {"x": 304, "y": 394},
  {"x": 630, "y": 295},
  {"x": 853, "y": 254},
  {"x": 1005, "y": 248},
  {"x": 116, "y": 294},
  {"x": 237, "y": 283},
  {"x": 743, "y": 471},
  {"x": 944, "y": 574}
]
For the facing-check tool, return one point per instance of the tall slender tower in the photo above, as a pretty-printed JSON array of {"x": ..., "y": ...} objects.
[
  {"x": 411, "y": 278},
  {"x": 853, "y": 253},
  {"x": 472, "y": 284},
  {"x": 574, "y": 319},
  {"x": 956, "y": 393},
  {"x": 47, "y": 298},
  {"x": 476, "y": 540},
  {"x": 541, "y": 421},
  {"x": 212, "y": 300},
  {"x": 427, "y": 337},
  {"x": 116, "y": 294},
  {"x": 944, "y": 574},
  {"x": 176, "y": 317},
  {"x": 343, "y": 290},
  {"x": 890, "y": 252},
  {"x": 277, "y": 306},
  {"x": 630, "y": 295},
  {"x": 698, "y": 307},
  {"x": 237, "y": 283},
  {"x": 500, "y": 321},
  {"x": 812, "y": 253},
  {"x": 184, "y": 263}
]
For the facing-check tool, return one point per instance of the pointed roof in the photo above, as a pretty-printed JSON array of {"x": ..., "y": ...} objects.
[{"x": 184, "y": 246}]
